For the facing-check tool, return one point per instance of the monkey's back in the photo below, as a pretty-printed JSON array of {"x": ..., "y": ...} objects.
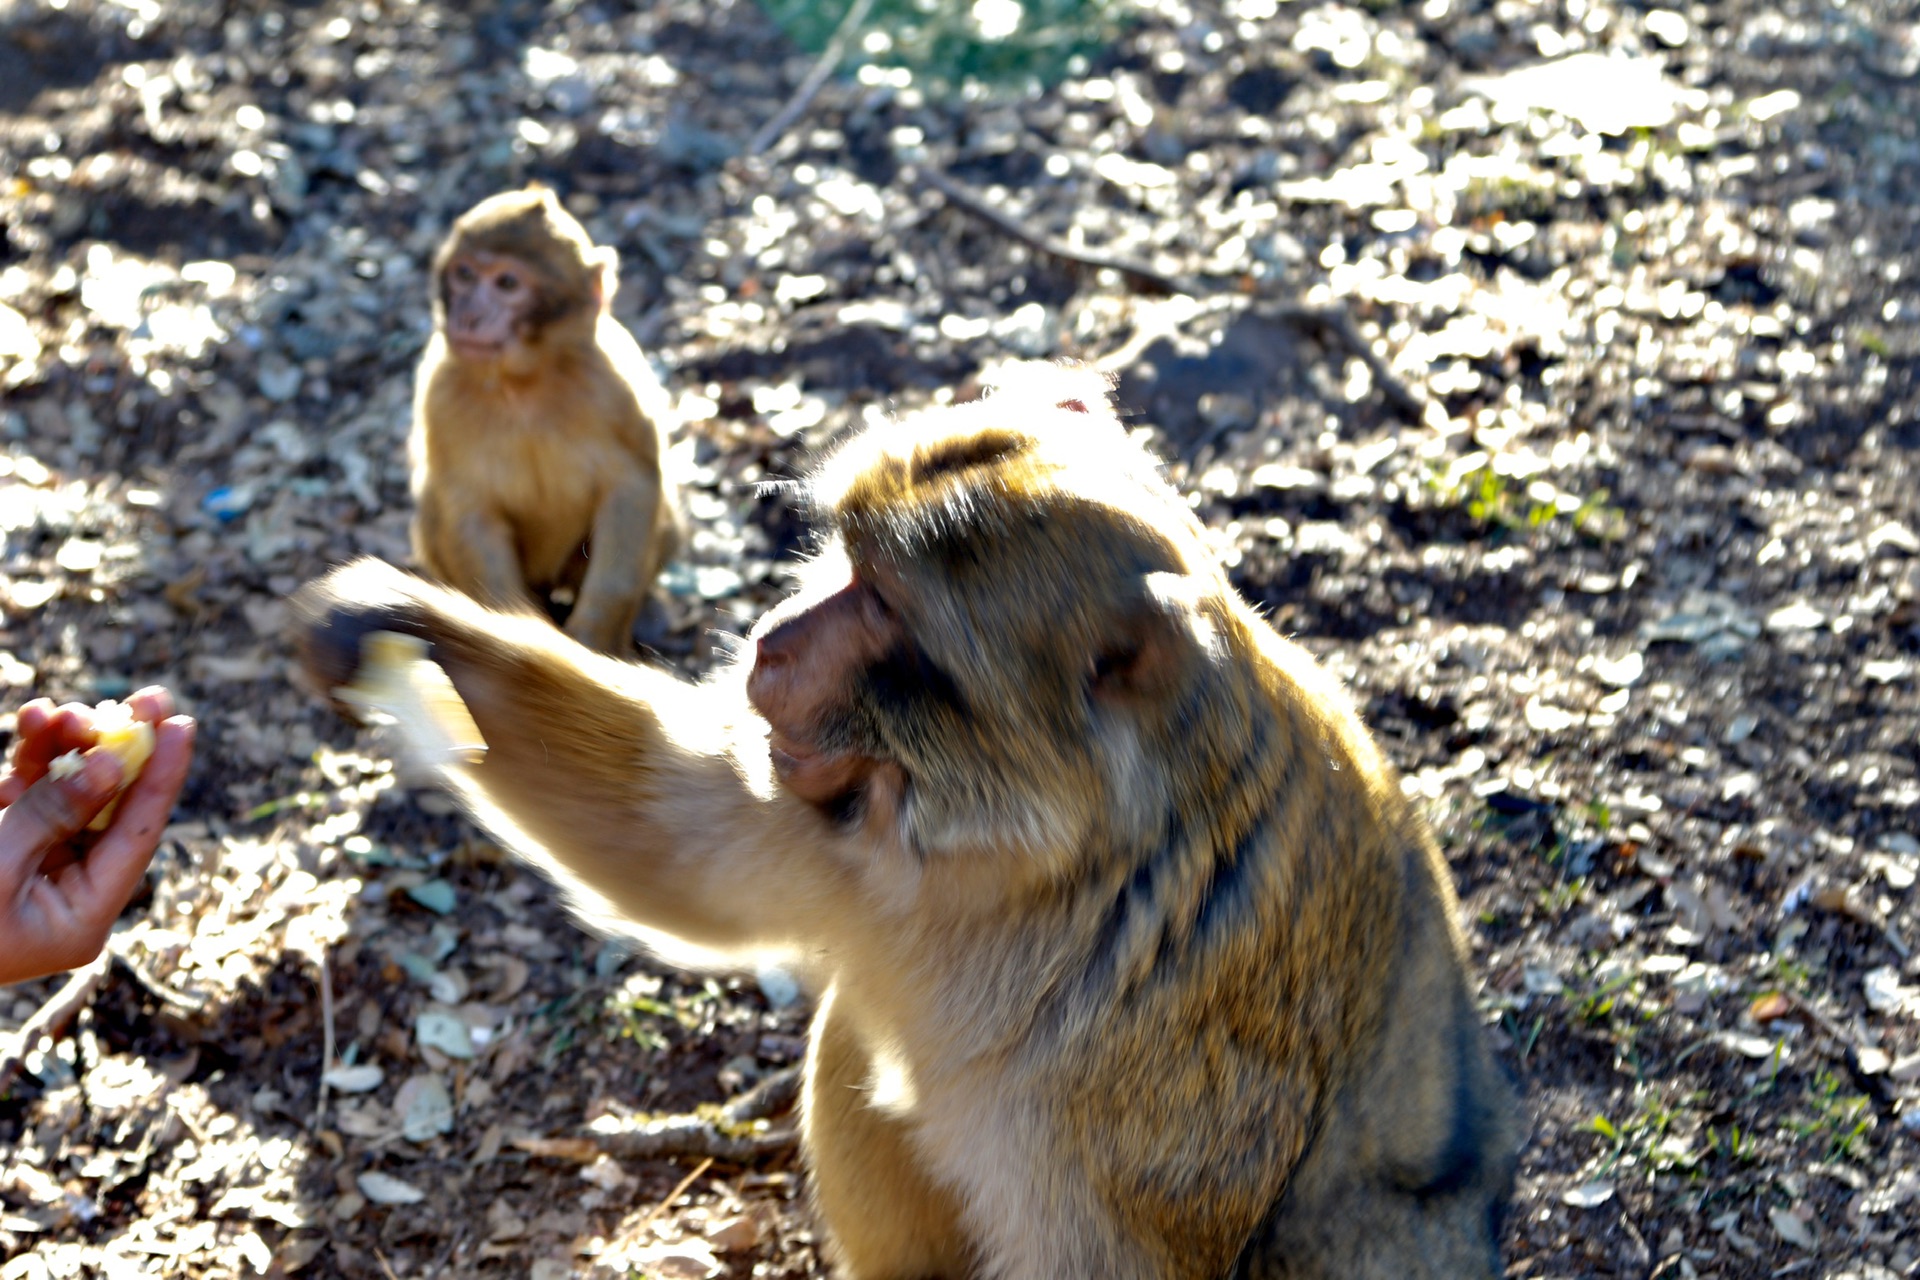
[{"x": 1293, "y": 1059}]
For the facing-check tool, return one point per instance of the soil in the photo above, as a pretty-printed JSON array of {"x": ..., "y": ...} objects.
[{"x": 1613, "y": 533}]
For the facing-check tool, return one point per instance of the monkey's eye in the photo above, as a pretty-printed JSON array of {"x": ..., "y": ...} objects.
[
  {"x": 507, "y": 282},
  {"x": 1113, "y": 666},
  {"x": 462, "y": 273}
]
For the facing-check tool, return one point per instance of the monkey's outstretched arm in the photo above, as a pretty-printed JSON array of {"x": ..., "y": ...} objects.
[
  {"x": 629, "y": 780},
  {"x": 618, "y": 558}
]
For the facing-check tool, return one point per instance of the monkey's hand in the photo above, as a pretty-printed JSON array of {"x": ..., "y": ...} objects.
[{"x": 335, "y": 614}]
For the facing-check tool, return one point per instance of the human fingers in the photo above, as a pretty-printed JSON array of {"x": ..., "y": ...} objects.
[
  {"x": 152, "y": 704},
  {"x": 64, "y": 728},
  {"x": 48, "y": 814},
  {"x": 30, "y": 721},
  {"x": 28, "y": 724},
  {"x": 99, "y": 885}
]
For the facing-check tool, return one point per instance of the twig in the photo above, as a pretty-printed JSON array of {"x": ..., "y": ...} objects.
[
  {"x": 971, "y": 202},
  {"x": 771, "y": 132},
  {"x": 446, "y": 1254},
  {"x": 1331, "y": 320},
  {"x": 661, "y": 1207},
  {"x": 51, "y": 1020},
  {"x": 669, "y": 1136},
  {"x": 775, "y": 1094},
  {"x": 150, "y": 983},
  {"x": 326, "y": 1036},
  {"x": 1644, "y": 1254},
  {"x": 632, "y": 1233},
  {"x": 1336, "y": 321}
]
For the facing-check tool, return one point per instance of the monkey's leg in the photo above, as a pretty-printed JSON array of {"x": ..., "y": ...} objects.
[
  {"x": 620, "y": 560},
  {"x": 635, "y": 785},
  {"x": 890, "y": 1221}
]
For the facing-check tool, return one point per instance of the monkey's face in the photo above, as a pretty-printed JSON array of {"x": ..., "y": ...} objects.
[
  {"x": 489, "y": 300},
  {"x": 516, "y": 273},
  {"x": 999, "y": 638}
]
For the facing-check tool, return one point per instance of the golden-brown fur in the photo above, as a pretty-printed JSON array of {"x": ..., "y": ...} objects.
[
  {"x": 539, "y": 427},
  {"x": 1135, "y": 963}
]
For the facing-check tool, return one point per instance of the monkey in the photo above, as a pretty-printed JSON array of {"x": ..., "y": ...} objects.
[
  {"x": 1133, "y": 959},
  {"x": 539, "y": 427}
]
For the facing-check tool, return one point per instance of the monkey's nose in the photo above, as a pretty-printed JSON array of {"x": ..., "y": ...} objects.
[
  {"x": 777, "y": 648},
  {"x": 774, "y": 655}
]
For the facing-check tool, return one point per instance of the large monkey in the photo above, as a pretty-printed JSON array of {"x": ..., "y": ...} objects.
[
  {"x": 1134, "y": 961},
  {"x": 538, "y": 425}
]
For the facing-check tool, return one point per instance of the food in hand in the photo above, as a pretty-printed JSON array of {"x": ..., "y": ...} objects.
[{"x": 131, "y": 742}]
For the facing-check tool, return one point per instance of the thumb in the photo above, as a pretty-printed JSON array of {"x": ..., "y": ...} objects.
[{"x": 55, "y": 810}]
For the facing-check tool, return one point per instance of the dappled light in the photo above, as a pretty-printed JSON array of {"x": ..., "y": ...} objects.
[{"x": 1547, "y": 368}]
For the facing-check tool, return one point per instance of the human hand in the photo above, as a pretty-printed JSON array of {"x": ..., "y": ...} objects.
[{"x": 60, "y": 891}]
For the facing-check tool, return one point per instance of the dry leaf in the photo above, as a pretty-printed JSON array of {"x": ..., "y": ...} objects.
[
  {"x": 384, "y": 1188},
  {"x": 737, "y": 1234},
  {"x": 425, "y": 1108},
  {"x": 363, "y": 1077},
  {"x": 1793, "y": 1229},
  {"x": 689, "y": 1259},
  {"x": 1589, "y": 1194}
]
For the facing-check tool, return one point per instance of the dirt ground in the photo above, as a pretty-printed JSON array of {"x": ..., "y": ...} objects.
[{"x": 1547, "y": 368}]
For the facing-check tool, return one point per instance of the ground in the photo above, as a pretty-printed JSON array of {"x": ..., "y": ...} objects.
[{"x": 1613, "y": 531}]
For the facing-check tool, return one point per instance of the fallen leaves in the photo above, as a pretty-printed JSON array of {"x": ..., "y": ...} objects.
[{"x": 385, "y": 1189}]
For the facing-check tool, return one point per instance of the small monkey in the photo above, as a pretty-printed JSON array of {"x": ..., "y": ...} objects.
[
  {"x": 539, "y": 427},
  {"x": 1134, "y": 961}
]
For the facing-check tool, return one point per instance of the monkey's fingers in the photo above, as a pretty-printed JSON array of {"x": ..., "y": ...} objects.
[
  {"x": 339, "y": 611},
  {"x": 396, "y": 679}
]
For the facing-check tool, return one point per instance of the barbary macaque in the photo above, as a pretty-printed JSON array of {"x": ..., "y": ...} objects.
[
  {"x": 538, "y": 425},
  {"x": 1133, "y": 960}
]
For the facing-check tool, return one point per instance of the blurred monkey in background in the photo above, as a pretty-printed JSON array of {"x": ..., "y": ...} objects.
[{"x": 539, "y": 427}]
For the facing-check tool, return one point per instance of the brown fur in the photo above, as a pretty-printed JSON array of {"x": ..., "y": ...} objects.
[
  {"x": 537, "y": 465},
  {"x": 1135, "y": 961}
]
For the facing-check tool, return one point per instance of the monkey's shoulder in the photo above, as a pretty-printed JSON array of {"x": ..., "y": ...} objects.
[{"x": 630, "y": 364}]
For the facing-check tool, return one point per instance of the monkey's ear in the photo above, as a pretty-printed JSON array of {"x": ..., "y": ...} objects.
[
  {"x": 605, "y": 262},
  {"x": 1138, "y": 659},
  {"x": 1158, "y": 640}
]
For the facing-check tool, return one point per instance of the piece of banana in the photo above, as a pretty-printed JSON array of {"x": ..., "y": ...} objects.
[
  {"x": 398, "y": 681},
  {"x": 130, "y": 740}
]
